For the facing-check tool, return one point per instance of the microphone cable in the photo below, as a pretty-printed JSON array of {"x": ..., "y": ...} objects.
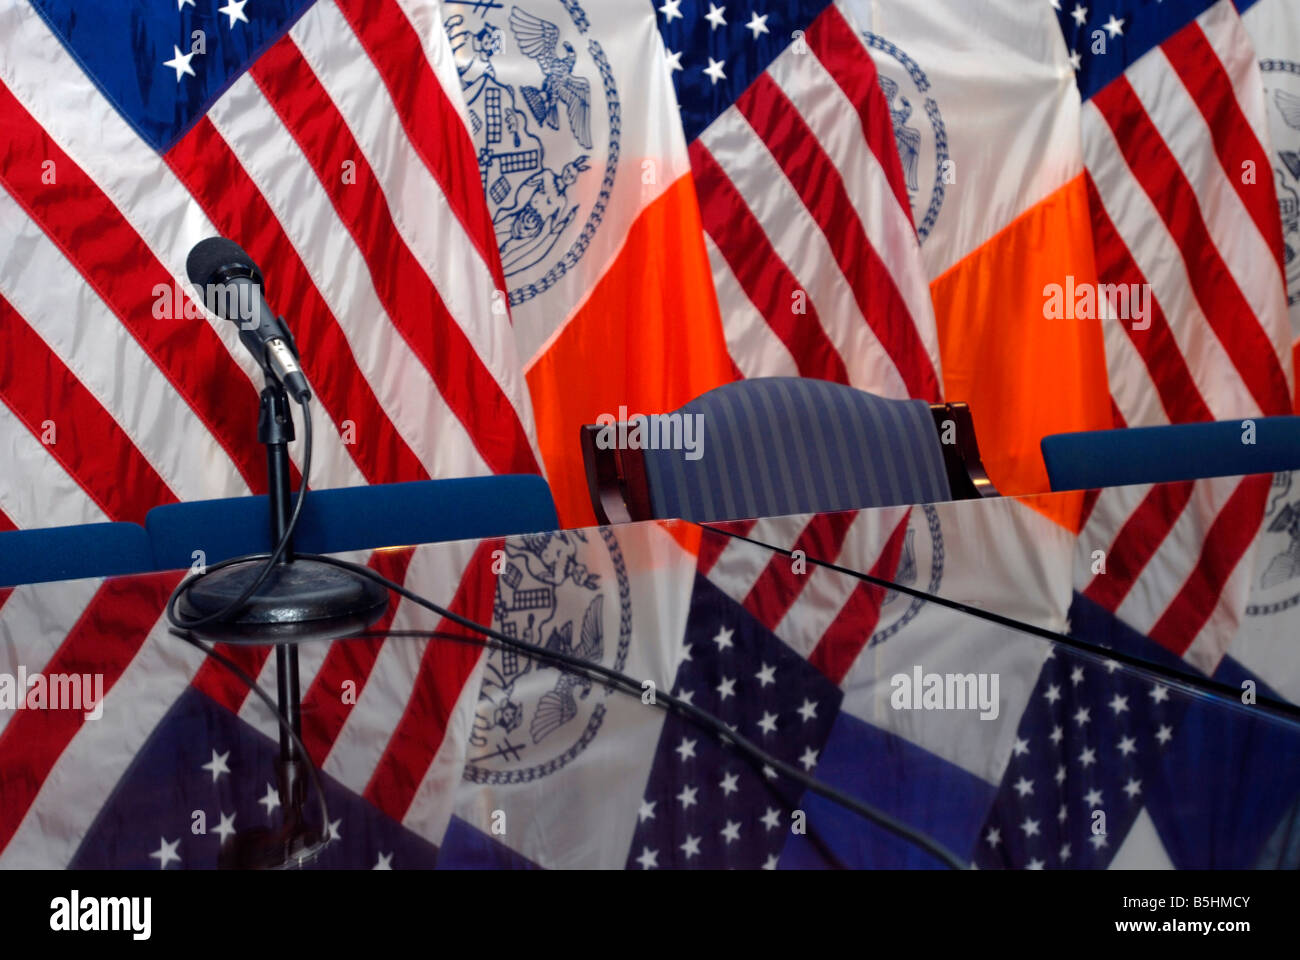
[
  {"x": 813, "y": 836},
  {"x": 313, "y": 774},
  {"x": 273, "y": 558},
  {"x": 1189, "y": 684},
  {"x": 629, "y": 685},
  {"x": 182, "y": 627}
]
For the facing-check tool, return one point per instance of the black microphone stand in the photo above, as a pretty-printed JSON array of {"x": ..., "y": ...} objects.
[
  {"x": 301, "y": 599},
  {"x": 275, "y": 432}
]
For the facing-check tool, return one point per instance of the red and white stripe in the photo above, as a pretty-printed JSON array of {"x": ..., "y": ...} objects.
[
  {"x": 399, "y": 741},
  {"x": 824, "y": 615},
  {"x": 388, "y": 281},
  {"x": 1177, "y": 558},
  {"x": 1169, "y": 148},
  {"x": 829, "y": 259}
]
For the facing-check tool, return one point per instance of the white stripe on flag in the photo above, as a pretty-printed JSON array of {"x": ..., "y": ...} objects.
[
  {"x": 423, "y": 217},
  {"x": 381, "y": 702},
  {"x": 800, "y": 243},
  {"x": 1177, "y": 555},
  {"x": 756, "y": 350},
  {"x": 1135, "y": 393},
  {"x": 53, "y": 89},
  {"x": 35, "y": 490},
  {"x": 285, "y": 178},
  {"x": 425, "y": 17},
  {"x": 1230, "y": 41},
  {"x": 1234, "y": 232},
  {"x": 103, "y": 355},
  {"x": 1112, "y": 509},
  {"x": 434, "y": 802},
  {"x": 823, "y": 105},
  {"x": 1158, "y": 256},
  {"x": 101, "y": 752},
  {"x": 826, "y": 591},
  {"x": 36, "y": 619}
]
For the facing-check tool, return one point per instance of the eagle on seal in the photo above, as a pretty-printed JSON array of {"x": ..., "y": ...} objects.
[
  {"x": 537, "y": 40},
  {"x": 557, "y": 707}
]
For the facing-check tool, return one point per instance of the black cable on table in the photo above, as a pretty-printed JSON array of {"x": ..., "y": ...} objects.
[
  {"x": 272, "y": 558},
  {"x": 703, "y": 718},
  {"x": 813, "y": 836},
  {"x": 1188, "y": 683}
]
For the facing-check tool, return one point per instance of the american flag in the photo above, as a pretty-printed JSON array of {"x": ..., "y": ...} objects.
[
  {"x": 1088, "y": 764},
  {"x": 323, "y": 139},
  {"x": 802, "y": 195},
  {"x": 1181, "y": 194},
  {"x": 1182, "y": 198},
  {"x": 799, "y": 661},
  {"x": 183, "y": 754},
  {"x": 1114, "y": 770}
]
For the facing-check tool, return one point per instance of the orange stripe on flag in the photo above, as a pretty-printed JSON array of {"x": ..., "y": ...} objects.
[
  {"x": 1023, "y": 375},
  {"x": 648, "y": 338}
]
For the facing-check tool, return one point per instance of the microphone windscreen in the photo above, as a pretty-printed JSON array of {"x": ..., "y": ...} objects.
[{"x": 217, "y": 256}]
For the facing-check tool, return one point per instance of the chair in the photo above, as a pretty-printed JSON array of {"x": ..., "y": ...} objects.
[
  {"x": 355, "y": 518},
  {"x": 73, "y": 552},
  {"x": 1184, "y": 451},
  {"x": 782, "y": 445}
]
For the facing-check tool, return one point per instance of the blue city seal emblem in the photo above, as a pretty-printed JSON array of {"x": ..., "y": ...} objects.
[
  {"x": 921, "y": 562},
  {"x": 567, "y": 591},
  {"x": 918, "y": 130},
  {"x": 1282, "y": 94},
  {"x": 1277, "y": 582},
  {"x": 545, "y": 121}
]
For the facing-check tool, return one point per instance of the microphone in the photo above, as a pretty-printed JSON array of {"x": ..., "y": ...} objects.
[{"x": 230, "y": 285}]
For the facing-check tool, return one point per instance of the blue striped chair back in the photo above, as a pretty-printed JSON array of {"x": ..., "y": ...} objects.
[{"x": 782, "y": 445}]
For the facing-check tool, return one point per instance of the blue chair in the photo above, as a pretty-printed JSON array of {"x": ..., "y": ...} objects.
[
  {"x": 355, "y": 518},
  {"x": 782, "y": 445},
  {"x": 73, "y": 553},
  {"x": 1185, "y": 451}
]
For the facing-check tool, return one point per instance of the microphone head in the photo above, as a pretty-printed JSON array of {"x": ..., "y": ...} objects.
[{"x": 217, "y": 260}]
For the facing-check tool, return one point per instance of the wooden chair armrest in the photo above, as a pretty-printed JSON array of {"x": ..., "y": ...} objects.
[
  {"x": 966, "y": 474},
  {"x": 616, "y": 480}
]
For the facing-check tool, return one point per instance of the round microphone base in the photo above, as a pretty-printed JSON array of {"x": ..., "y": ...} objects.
[{"x": 301, "y": 601}]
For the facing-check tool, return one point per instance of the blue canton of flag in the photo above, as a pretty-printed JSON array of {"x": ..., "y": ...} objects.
[
  {"x": 163, "y": 63},
  {"x": 716, "y": 50},
  {"x": 205, "y": 774},
  {"x": 1106, "y": 759},
  {"x": 704, "y": 805},
  {"x": 1105, "y": 37}
]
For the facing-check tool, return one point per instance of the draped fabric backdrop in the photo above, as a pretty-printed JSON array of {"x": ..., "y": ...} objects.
[{"x": 491, "y": 222}]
